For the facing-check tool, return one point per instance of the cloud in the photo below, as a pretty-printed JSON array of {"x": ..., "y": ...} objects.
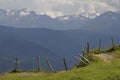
[
  {"x": 55, "y": 8},
  {"x": 52, "y": 14}
]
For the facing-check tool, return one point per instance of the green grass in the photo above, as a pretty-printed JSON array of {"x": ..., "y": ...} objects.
[
  {"x": 107, "y": 50},
  {"x": 96, "y": 70}
]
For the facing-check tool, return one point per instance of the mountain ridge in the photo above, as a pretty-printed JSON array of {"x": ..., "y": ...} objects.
[{"x": 26, "y": 18}]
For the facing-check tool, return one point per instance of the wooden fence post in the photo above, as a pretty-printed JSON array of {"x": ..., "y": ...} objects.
[
  {"x": 50, "y": 66},
  {"x": 99, "y": 45},
  {"x": 65, "y": 64},
  {"x": 84, "y": 58},
  {"x": 39, "y": 64},
  {"x": 16, "y": 65},
  {"x": 80, "y": 60},
  {"x": 113, "y": 46},
  {"x": 88, "y": 47}
]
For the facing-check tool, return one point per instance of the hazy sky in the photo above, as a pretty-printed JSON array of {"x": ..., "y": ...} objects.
[{"x": 62, "y": 7}]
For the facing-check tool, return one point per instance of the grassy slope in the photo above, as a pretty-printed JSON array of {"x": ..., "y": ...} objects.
[{"x": 97, "y": 70}]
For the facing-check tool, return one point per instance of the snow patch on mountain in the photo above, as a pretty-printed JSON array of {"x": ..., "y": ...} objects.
[
  {"x": 24, "y": 13},
  {"x": 82, "y": 17}
]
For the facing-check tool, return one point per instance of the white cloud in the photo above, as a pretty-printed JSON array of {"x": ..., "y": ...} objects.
[
  {"x": 55, "y": 8},
  {"x": 52, "y": 14},
  {"x": 95, "y": 6}
]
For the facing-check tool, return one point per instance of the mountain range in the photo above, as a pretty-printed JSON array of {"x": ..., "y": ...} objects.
[
  {"x": 26, "y": 18},
  {"x": 108, "y": 23}
]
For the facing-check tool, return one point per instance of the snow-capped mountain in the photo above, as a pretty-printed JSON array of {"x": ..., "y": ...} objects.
[
  {"x": 108, "y": 22},
  {"x": 72, "y": 17},
  {"x": 90, "y": 15},
  {"x": 26, "y": 18},
  {"x": 77, "y": 21},
  {"x": 82, "y": 17},
  {"x": 22, "y": 12},
  {"x": 73, "y": 21}
]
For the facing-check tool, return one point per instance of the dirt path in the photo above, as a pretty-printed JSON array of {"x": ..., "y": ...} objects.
[{"x": 105, "y": 57}]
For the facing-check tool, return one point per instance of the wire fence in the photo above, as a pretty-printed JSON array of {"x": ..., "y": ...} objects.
[
  {"x": 35, "y": 63},
  {"x": 42, "y": 63}
]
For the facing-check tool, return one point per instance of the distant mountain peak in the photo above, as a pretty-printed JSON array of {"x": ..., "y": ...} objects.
[
  {"x": 24, "y": 12},
  {"x": 90, "y": 15},
  {"x": 83, "y": 16},
  {"x": 21, "y": 12}
]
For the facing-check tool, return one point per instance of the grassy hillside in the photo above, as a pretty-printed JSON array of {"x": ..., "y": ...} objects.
[{"x": 102, "y": 68}]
